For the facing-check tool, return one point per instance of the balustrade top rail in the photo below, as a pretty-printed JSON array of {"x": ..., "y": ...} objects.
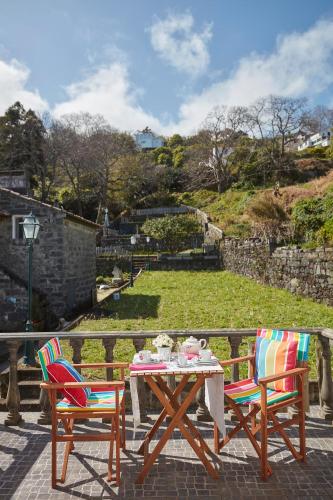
[{"x": 139, "y": 334}]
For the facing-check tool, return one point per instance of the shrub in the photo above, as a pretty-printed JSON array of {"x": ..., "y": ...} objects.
[
  {"x": 172, "y": 229},
  {"x": 268, "y": 217},
  {"x": 312, "y": 219}
]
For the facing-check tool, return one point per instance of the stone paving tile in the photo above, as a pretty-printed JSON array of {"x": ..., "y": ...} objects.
[{"x": 25, "y": 465}]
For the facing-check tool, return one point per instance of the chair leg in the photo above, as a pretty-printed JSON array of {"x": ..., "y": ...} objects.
[
  {"x": 54, "y": 458},
  {"x": 68, "y": 448},
  {"x": 263, "y": 458},
  {"x": 117, "y": 450},
  {"x": 301, "y": 427},
  {"x": 123, "y": 427},
  {"x": 111, "y": 451},
  {"x": 253, "y": 420}
]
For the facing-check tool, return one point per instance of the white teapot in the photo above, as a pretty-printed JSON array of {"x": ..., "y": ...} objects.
[{"x": 193, "y": 345}]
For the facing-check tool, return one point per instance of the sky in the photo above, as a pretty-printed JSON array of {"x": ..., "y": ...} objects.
[{"x": 162, "y": 64}]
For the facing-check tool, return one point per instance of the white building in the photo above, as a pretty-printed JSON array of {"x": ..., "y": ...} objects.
[
  {"x": 146, "y": 139},
  {"x": 321, "y": 139}
]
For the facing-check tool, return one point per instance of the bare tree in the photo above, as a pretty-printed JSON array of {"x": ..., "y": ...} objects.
[
  {"x": 69, "y": 136},
  {"x": 108, "y": 146},
  {"x": 318, "y": 119},
  {"x": 221, "y": 131},
  {"x": 274, "y": 121}
]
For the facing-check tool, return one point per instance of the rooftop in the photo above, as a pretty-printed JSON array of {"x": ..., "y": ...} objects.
[{"x": 25, "y": 462}]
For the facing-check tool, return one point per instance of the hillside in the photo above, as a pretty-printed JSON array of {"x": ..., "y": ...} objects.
[{"x": 229, "y": 210}]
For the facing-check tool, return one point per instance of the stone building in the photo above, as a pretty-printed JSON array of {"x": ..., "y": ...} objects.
[{"x": 64, "y": 263}]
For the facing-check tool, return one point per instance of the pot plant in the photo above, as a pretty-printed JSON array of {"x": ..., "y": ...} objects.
[{"x": 163, "y": 343}]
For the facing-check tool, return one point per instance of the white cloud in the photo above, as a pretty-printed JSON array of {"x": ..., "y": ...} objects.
[
  {"x": 108, "y": 92},
  {"x": 301, "y": 65},
  {"x": 176, "y": 43},
  {"x": 13, "y": 79}
]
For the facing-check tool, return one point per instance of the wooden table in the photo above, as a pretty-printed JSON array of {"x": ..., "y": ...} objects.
[{"x": 177, "y": 412}]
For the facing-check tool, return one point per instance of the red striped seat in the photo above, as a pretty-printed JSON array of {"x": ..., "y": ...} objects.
[{"x": 247, "y": 392}]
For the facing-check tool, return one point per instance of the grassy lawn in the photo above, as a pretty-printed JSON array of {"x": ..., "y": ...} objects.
[{"x": 212, "y": 299}]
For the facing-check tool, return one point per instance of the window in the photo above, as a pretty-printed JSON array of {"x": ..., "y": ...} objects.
[{"x": 17, "y": 228}]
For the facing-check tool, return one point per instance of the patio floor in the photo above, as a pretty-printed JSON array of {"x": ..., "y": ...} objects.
[{"x": 25, "y": 467}]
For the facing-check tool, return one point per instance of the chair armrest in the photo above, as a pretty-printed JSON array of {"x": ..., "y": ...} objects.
[
  {"x": 233, "y": 361},
  {"x": 101, "y": 365},
  {"x": 73, "y": 385},
  {"x": 278, "y": 376}
]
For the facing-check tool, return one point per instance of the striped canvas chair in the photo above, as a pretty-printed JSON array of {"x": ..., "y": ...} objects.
[
  {"x": 94, "y": 400},
  {"x": 277, "y": 371}
]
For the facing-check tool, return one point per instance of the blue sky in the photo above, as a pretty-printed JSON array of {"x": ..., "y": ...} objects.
[{"x": 162, "y": 63}]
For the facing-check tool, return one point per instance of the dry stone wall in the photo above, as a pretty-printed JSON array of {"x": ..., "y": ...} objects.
[{"x": 302, "y": 271}]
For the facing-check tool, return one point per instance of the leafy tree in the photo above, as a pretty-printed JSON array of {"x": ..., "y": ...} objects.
[
  {"x": 22, "y": 144},
  {"x": 175, "y": 140},
  {"x": 173, "y": 230}
]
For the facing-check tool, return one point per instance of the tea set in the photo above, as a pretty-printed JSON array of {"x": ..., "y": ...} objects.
[{"x": 191, "y": 351}]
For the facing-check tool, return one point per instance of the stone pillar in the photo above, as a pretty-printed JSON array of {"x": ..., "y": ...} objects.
[
  {"x": 325, "y": 377},
  {"x": 109, "y": 345},
  {"x": 45, "y": 416},
  {"x": 139, "y": 345},
  {"x": 202, "y": 412},
  {"x": 13, "y": 395},
  {"x": 234, "y": 341},
  {"x": 77, "y": 345}
]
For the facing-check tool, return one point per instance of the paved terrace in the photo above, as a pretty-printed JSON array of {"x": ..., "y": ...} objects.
[{"x": 25, "y": 464}]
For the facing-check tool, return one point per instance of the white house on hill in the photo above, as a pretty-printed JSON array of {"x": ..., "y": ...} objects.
[
  {"x": 146, "y": 139},
  {"x": 321, "y": 139}
]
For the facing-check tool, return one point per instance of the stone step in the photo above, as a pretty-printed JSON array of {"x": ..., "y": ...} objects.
[
  {"x": 29, "y": 388},
  {"x": 27, "y": 404}
]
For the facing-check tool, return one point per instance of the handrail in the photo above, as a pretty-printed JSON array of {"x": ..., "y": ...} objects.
[{"x": 139, "y": 334}]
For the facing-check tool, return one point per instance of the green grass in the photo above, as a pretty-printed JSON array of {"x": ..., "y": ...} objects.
[
  {"x": 191, "y": 300},
  {"x": 226, "y": 210}
]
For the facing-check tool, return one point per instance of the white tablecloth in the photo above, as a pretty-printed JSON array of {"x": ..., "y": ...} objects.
[{"x": 214, "y": 391}]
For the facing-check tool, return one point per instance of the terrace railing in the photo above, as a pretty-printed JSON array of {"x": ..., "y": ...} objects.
[{"x": 139, "y": 338}]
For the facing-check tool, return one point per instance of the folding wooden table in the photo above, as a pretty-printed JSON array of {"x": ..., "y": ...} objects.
[{"x": 172, "y": 408}]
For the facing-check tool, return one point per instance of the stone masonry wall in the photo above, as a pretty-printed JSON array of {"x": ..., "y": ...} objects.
[
  {"x": 63, "y": 255},
  {"x": 301, "y": 271},
  {"x": 80, "y": 265}
]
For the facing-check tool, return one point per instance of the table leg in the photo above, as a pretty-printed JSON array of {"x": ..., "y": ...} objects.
[
  {"x": 176, "y": 421},
  {"x": 186, "y": 419},
  {"x": 163, "y": 414}
]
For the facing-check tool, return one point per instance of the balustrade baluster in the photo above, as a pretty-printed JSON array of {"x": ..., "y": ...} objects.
[
  {"x": 13, "y": 395},
  {"x": 109, "y": 345},
  {"x": 202, "y": 412},
  {"x": 325, "y": 377},
  {"x": 77, "y": 345},
  {"x": 234, "y": 341},
  {"x": 44, "y": 401},
  {"x": 139, "y": 344}
]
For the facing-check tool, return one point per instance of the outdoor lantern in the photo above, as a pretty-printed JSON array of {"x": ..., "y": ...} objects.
[
  {"x": 133, "y": 240},
  {"x": 148, "y": 239},
  {"x": 30, "y": 227}
]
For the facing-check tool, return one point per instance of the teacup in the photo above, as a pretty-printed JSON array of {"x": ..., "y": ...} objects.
[
  {"x": 205, "y": 354},
  {"x": 182, "y": 359},
  {"x": 145, "y": 356}
]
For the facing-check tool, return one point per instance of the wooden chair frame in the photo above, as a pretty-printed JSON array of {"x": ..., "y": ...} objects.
[
  {"x": 116, "y": 435},
  {"x": 267, "y": 413}
]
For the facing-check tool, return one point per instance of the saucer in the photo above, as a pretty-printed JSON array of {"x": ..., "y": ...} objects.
[
  {"x": 150, "y": 362},
  {"x": 212, "y": 361}
]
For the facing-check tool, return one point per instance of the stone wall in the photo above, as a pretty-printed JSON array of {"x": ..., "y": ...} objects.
[
  {"x": 63, "y": 256},
  {"x": 305, "y": 272}
]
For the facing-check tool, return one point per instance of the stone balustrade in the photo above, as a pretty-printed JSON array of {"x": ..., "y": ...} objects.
[{"x": 139, "y": 338}]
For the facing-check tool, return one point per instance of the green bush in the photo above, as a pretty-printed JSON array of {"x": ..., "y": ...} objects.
[
  {"x": 313, "y": 219},
  {"x": 172, "y": 229}
]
